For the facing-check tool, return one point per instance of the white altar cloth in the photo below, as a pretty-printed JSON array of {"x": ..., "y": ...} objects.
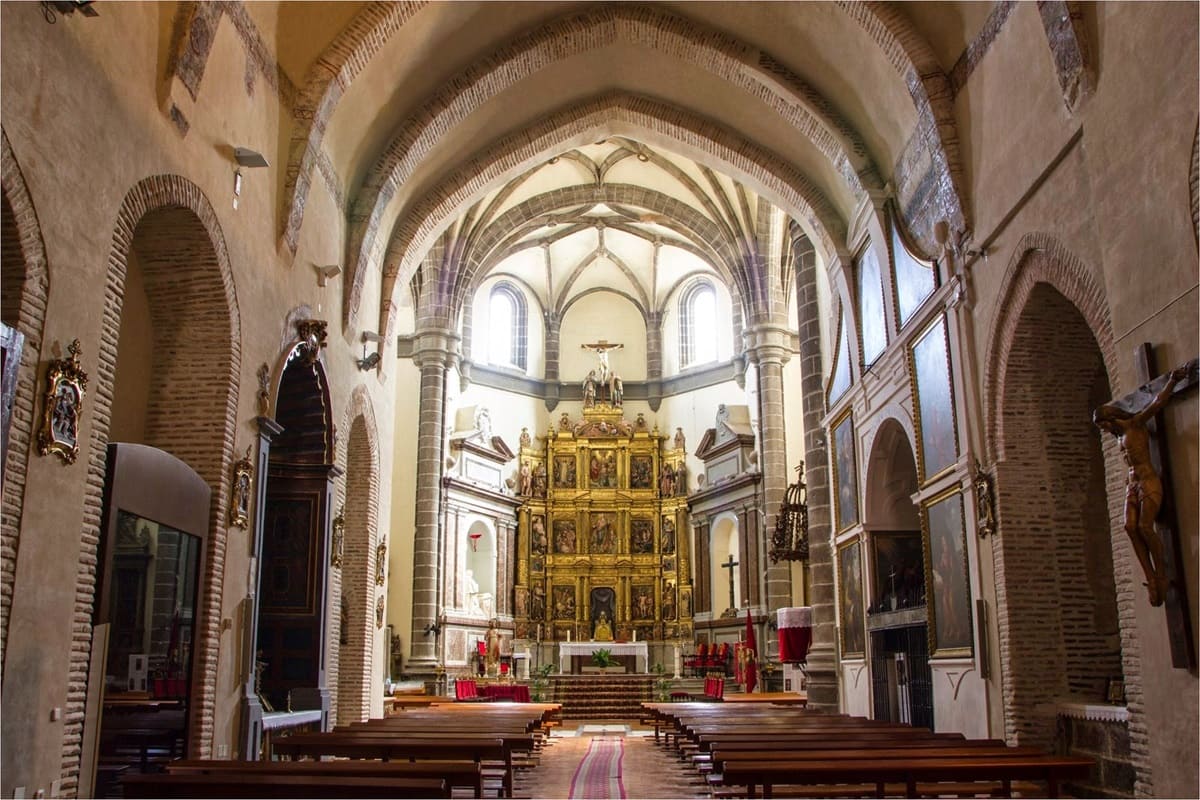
[{"x": 568, "y": 649}]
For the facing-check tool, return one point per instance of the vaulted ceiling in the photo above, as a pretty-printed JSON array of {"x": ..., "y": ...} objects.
[{"x": 433, "y": 120}]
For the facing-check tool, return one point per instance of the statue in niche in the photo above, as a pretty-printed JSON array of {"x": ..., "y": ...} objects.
[
  {"x": 681, "y": 481},
  {"x": 680, "y": 441},
  {"x": 537, "y": 602},
  {"x": 668, "y": 535},
  {"x": 1144, "y": 489},
  {"x": 537, "y": 541},
  {"x": 666, "y": 483},
  {"x": 603, "y": 630},
  {"x": 526, "y": 479}
]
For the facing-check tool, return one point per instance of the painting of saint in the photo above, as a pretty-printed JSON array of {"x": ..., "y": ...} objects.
[
  {"x": 938, "y": 445},
  {"x": 641, "y": 536},
  {"x": 950, "y": 599},
  {"x": 899, "y": 571},
  {"x": 564, "y": 536},
  {"x": 564, "y": 472},
  {"x": 602, "y": 470},
  {"x": 668, "y": 535},
  {"x": 604, "y": 533},
  {"x": 846, "y": 472},
  {"x": 564, "y": 602},
  {"x": 643, "y": 601},
  {"x": 641, "y": 472},
  {"x": 850, "y": 600}
]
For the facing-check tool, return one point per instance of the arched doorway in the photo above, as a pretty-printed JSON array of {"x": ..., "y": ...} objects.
[
  {"x": 725, "y": 578},
  {"x": 479, "y": 571},
  {"x": 898, "y": 644},
  {"x": 1059, "y": 629},
  {"x": 294, "y": 556}
]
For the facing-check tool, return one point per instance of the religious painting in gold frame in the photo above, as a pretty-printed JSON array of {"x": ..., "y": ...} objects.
[
  {"x": 603, "y": 539},
  {"x": 563, "y": 598},
  {"x": 602, "y": 469},
  {"x": 845, "y": 472},
  {"x": 850, "y": 600},
  {"x": 933, "y": 398},
  {"x": 564, "y": 472},
  {"x": 641, "y": 535},
  {"x": 63, "y": 406},
  {"x": 564, "y": 536},
  {"x": 948, "y": 587},
  {"x": 642, "y": 601},
  {"x": 641, "y": 472}
]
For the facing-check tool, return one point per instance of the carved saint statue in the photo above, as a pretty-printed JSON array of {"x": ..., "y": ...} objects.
[
  {"x": 1143, "y": 488},
  {"x": 603, "y": 632}
]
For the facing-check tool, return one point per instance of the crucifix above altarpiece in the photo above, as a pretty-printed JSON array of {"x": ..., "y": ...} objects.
[{"x": 597, "y": 538}]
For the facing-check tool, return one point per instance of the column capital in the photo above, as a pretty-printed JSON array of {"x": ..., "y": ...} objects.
[
  {"x": 436, "y": 346},
  {"x": 768, "y": 342}
]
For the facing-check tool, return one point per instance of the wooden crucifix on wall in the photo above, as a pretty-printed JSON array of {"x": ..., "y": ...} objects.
[
  {"x": 729, "y": 565},
  {"x": 1150, "y": 520}
]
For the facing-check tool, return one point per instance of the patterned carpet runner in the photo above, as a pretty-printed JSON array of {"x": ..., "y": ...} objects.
[{"x": 599, "y": 773}]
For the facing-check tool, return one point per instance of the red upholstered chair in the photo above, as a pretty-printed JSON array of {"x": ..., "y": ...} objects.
[
  {"x": 696, "y": 663},
  {"x": 719, "y": 658}
]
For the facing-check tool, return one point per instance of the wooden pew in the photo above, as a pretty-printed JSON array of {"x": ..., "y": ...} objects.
[
  {"x": 910, "y": 770},
  {"x": 465, "y": 774},
  {"x": 225, "y": 785},
  {"x": 386, "y": 746}
]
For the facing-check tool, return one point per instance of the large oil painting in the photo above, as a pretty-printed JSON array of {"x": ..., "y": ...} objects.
[
  {"x": 845, "y": 472},
  {"x": 946, "y": 564},
  {"x": 870, "y": 306},
  {"x": 938, "y": 445},
  {"x": 850, "y": 600}
]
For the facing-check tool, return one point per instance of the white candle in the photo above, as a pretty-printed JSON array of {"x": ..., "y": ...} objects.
[
  {"x": 568, "y": 634},
  {"x": 635, "y": 634}
]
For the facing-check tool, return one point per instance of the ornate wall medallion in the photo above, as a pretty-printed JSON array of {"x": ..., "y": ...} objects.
[
  {"x": 62, "y": 406},
  {"x": 240, "y": 489},
  {"x": 337, "y": 548}
]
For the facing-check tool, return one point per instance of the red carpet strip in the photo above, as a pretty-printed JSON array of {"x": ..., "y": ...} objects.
[{"x": 599, "y": 774}]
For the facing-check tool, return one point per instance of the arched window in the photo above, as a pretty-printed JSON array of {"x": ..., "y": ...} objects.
[
  {"x": 698, "y": 325},
  {"x": 508, "y": 327}
]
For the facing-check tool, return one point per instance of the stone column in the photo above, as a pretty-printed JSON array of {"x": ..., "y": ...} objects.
[
  {"x": 767, "y": 345},
  {"x": 434, "y": 352},
  {"x": 822, "y": 656}
]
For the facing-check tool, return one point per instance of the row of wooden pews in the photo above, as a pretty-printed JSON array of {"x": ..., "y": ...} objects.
[
  {"x": 791, "y": 752},
  {"x": 423, "y": 752}
]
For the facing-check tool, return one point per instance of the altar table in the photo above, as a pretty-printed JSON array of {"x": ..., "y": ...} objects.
[{"x": 568, "y": 649}]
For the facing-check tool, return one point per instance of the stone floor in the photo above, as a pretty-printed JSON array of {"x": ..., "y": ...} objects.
[{"x": 647, "y": 769}]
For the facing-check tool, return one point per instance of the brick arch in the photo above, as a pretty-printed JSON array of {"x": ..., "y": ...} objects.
[
  {"x": 354, "y": 660},
  {"x": 1060, "y": 509},
  {"x": 615, "y": 113},
  {"x": 929, "y": 86},
  {"x": 168, "y": 215},
  {"x": 23, "y": 234},
  {"x": 709, "y": 49},
  {"x": 1039, "y": 258}
]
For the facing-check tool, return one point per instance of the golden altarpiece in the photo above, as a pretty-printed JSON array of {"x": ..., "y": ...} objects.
[{"x": 599, "y": 549}]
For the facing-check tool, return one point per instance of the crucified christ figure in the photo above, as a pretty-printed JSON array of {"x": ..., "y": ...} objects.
[{"x": 1144, "y": 489}]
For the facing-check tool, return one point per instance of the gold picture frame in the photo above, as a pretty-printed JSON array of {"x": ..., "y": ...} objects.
[
  {"x": 381, "y": 563},
  {"x": 947, "y": 580},
  {"x": 240, "y": 489},
  {"x": 63, "y": 406}
]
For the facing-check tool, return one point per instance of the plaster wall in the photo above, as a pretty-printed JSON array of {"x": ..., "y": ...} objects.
[
  {"x": 88, "y": 86},
  {"x": 856, "y": 688},
  {"x": 1119, "y": 201}
]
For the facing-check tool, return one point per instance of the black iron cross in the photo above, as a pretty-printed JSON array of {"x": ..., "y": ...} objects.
[{"x": 729, "y": 565}]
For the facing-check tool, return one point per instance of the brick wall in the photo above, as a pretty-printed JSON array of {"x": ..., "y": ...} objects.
[
  {"x": 354, "y": 660},
  {"x": 1059, "y": 493},
  {"x": 23, "y": 255},
  {"x": 192, "y": 412}
]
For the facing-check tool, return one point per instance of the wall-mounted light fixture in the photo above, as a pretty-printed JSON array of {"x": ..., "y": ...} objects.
[
  {"x": 245, "y": 157},
  {"x": 325, "y": 272},
  {"x": 66, "y": 7},
  {"x": 369, "y": 361}
]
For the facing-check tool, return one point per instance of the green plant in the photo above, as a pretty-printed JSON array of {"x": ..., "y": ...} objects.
[
  {"x": 603, "y": 658},
  {"x": 537, "y": 687},
  {"x": 662, "y": 684}
]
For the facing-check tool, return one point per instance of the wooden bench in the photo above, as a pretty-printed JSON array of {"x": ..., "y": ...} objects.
[
  {"x": 168, "y": 784},
  {"x": 457, "y": 774},
  {"x": 909, "y": 770}
]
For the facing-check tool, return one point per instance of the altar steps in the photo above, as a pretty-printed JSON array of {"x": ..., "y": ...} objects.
[{"x": 615, "y": 697}]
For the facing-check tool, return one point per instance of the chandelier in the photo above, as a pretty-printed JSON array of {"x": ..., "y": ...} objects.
[{"x": 789, "y": 542}]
